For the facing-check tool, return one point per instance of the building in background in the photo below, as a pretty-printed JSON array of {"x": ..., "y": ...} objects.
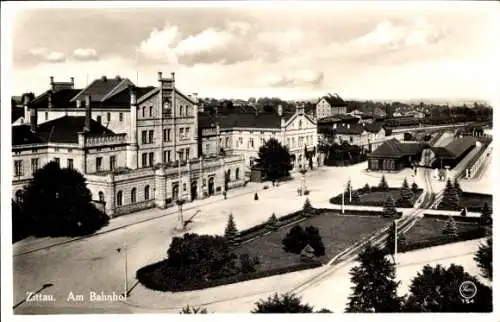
[
  {"x": 136, "y": 146},
  {"x": 330, "y": 105}
]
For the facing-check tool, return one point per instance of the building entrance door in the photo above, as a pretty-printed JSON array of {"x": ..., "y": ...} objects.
[{"x": 194, "y": 190}]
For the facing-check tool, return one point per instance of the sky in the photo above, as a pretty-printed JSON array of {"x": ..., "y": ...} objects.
[{"x": 364, "y": 50}]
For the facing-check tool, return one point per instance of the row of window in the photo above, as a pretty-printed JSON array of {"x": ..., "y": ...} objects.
[
  {"x": 99, "y": 163},
  {"x": 98, "y": 118},
  {"x": 300, "y": 142},
  {"x": 35, "y": 165},
  {"x": 133, "y": 196},
  {"x": 148, "y": 159},
  {"x": 147, "y": 137},
  {"x": 184, "y": 110}
]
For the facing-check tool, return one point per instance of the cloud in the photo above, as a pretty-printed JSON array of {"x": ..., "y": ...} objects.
[
  {"x": 45, "y": 55},
  {"x": 302, "y": 78},
  {"x": 85, "y": 54}
]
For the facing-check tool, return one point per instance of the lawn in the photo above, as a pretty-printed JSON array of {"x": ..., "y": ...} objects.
[
  {"x": 473, "y": 201},
  {"x": 374, "y": 198},
  {"x": 429, "y": 228},
  {"x": 337, "y": 232}
]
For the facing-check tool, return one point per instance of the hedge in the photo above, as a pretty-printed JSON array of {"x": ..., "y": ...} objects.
[
  {"x": 445, "y": 239},
  {"x": 143, "y": 275}
]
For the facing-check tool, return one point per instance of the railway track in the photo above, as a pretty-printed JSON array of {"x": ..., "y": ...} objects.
[{"x": 404, "y": 224}]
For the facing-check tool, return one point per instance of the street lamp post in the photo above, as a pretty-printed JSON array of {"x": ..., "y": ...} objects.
[
  {"x": 343, "y": 193},
  {"x": 350, "y": 191},
  {"x": 395, "y": 240}
]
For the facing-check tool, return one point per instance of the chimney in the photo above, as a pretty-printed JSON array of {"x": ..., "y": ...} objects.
[
  {"x": 51, "y": 80},
  {"x": 88, "y": 113},
  {"x": 33, "y": 120},
  {"x": 133, "y": 96},
  {"x": 72, "y": 81},
  {"x": 160, "y": 76},
  {"x": 280, "y": 110},
  {"x": 49, "y": 105},
  {"x": 173, "y": 76}
]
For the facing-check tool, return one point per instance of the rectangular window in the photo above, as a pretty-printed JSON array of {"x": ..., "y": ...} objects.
[
  {"x": 151, "y": 111},
  {"x": 144, "y": 160},
  {"x": 181, "y": 133},
  {"x": 18, "y": 168},
  {"x": 98, "y": 164},
  {"x": 70, "y": 163},
  {"x": 227, "y": 142},
  {"x": 164, "y": 135},
  {"x": 175, "y": 190},
  {"x": 120, "y": 116},
  {"x": 187, "y": 153},
  {"x": 207, "y": 148},
  {"x": 168, "y": 134},
  {"x": 58, "y": 161},
  {"x": 181, "y": 154},
  {"x": 34, "y": 165},
  {"x": 144, "y": 137},
  {"x": 112, "y": 162},
  {"x": 108, "y": 116},
  {"x": 151, "y": 136},
  {"x": 181, "y": 110},
  {"x": 188, "y": 134},
  {"x": 151, "y": 158},
  {"x": 46, "y": 116},
  {"x": 184, "y": 187},
  {"x": 164, "y": 157}
]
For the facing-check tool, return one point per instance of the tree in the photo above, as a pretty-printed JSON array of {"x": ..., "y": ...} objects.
[
  {"x": 389, "y": 243},
  {"x": 374, "y": 285},
  {"x": 406, "y": 196},
  {"x": 272, "y": 222},
  {"x": 58, "y": 203},
  {"x": 324, "y": 311},
  {"x": 314, "y": 239},
  {"x": 366, "y": 188},
  {"x": 295, "y": 240},
  {"x": 450, "y": 228},
  {"x": 21, "y": 227},
  {"x": 389, "y": 207},
  {"x": 486, "y": 213},
  {"x": 284, "y": 303},
  {"x": 308, "y": 209},
  {"x": 231, "y": 232},
  {"x": 414, "y": 187},
  {"x": 383, "y": 184},
  {"x": 274, "y": 159},
  {"x": 437, "y": 289},
  {"x": 451, "y": 199},
  {"x": 193, "y": 310},
  {"x": 484, "y": 258}
]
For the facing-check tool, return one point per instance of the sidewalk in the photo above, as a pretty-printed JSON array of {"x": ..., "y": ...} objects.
[{"x": 32, "y": 244}]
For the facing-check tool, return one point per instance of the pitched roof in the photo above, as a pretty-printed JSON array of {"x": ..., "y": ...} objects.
[
  {"x": 62, "y": 130},
  {"x": 122, "y": 98},
  {"x": 373, "y": 127},
  {"x": 238, "y": 119},
  {"x": 329, "y": 119},
  {"x": 60, "y": 99},
  {"x": 352, "y": 129},
  {"x": 102, "y": 87},
  {"x": 334, "y": 100},
  {"x": 455, "y": 148},
  {"x": 395, "y": 149}
]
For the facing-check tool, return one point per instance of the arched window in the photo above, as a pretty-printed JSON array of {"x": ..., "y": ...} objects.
[
  {"x": 144, "y": 111},
  {"x": 119, "y": 198},
  {"x": 146, "y": 193},
  {"x": 300, "y": 124},
  {"x": 237, "y": 174},
  {"x": 133, "y": 195},
  {"x": 151, "y": 110},
  {"x": 19, "y": 196},
  {"x": 181, "y": 109},
  {"x": 101, "y": 196},
  {"x": 229, "y": 175}
]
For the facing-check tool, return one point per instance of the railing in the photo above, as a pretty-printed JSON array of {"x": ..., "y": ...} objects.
[
  {"x": 475, "y": 164},
  {"x": 105, "y": 139}
]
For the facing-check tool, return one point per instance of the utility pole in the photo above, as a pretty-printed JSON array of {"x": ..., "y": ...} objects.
[
  {"x": 343, "y": 192},
  {"x": 395, "y": 240}
]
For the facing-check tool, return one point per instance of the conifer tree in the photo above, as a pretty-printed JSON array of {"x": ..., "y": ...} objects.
[
  {"x": 231, "y": 231},
  {"x": 389, "y": 207},
  {"x": 383, "y": 184},
  {"x": 414, "y": 187},
  {"x": 450, "y": 228},
  {"x": 272, "y": 222},
  {"x": 406, "y": 195},
  {"x": 308, "y": 209},
  {"x": 374, "y": 284},
  {"x": 451, "y": 199},
  {"x": 484, "y": 258}
]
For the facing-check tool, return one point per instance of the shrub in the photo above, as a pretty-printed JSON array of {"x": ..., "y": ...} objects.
[
  {"x": 366, "y": 188},
  {"x": 295, "y": 240},
  {"x": 414, "y": 188},
  {"x": 450, "y": 227},
  {"x": 272, "y": 222},
  {"x": 383, "y": 184},
  {"x": 486, "y": 213},
  {"x": 285, "y": 303},
  {"x": 308, "y": 208},
  {"x": 355, "y": 197},
  {"x": 193, "y": 310},
  {"x": 306, "y": 192},
  {"x": 389, "y": 207},
  {"x": 266, "y": 187},
  {"x": 248, "y": 264},
  {"x": 315, "y": 241},
  {"x": 256, "y": 196}
]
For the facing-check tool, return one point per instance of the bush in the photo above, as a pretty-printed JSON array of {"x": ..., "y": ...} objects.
[
  {"x": 355, "y": 197},
  {"x": 366, "y": 188},
  {"x": 306, "y": 192},
  {"x": 308, "y": 208},
  {"x": 266, "y": 187},
  {"x": 486, "y": 213},
  {"x": 256, "y": 196},
  {"x": 414, "y": 188},
  {"x": 315, "y": 241},
  {"x": 295, "y": 240},
  {"x": 285, "y": 303},
  {"x": 248, "y": 264},
  {"x": 450, "y": 227},
  {"x": 272, "y": 222},
  {"x": 193, "y": 310}
]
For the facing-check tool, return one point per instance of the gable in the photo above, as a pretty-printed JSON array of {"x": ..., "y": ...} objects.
[{"x": 293, "y": 122}]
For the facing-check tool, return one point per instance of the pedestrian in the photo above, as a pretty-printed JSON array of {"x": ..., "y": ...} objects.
[{"x": 225, "y": 194}]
